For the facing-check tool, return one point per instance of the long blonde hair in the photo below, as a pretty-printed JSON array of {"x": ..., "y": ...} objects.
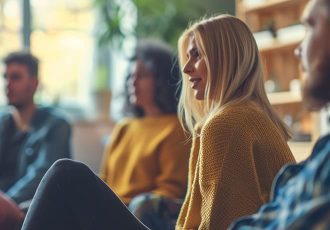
[{"x": 234, "y": 72}]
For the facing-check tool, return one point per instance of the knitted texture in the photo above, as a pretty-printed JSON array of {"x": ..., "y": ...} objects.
[
  {"x": 232, "y": 166},
  {"x": 147, "y": 155}
]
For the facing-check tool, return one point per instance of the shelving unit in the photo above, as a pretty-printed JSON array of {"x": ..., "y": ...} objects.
[
  {"x": 279, "y": 45},
  {"x": 284, "y": 98},
  {"x": 271, "y": 5},
  {"x": 276, "y": 27}
]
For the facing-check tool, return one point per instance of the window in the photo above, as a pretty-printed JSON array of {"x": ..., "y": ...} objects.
[
  {"x": 62, "y": 38},
  {"x": 9, "y": 34}
]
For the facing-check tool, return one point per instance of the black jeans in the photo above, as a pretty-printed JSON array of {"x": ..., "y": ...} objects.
[{"x": 71, "y": 196}]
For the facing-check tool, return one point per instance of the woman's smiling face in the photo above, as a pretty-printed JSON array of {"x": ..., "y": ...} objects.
[{"x": 195, "y": 68}]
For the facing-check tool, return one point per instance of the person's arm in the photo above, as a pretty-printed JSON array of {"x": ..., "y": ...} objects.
[
  {"x": 173, "y": 163},
  {"x": 214, "y": 147},
  {"x": 225, "y": 173},
  {"x": 56, "y": 145},
  {"x": 10, "y": 214},
  {"x": 311, "y": 196},
  {"x": 114, "y": 139}
]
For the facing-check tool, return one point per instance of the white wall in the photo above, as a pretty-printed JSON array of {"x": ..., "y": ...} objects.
[{"x": 88, "y": 141}]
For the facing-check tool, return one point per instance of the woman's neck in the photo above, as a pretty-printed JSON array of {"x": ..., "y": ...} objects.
[{"x": 152, "y": 111}]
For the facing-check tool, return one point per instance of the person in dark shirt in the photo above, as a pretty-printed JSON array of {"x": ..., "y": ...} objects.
[{"x": 32, "y": 138}]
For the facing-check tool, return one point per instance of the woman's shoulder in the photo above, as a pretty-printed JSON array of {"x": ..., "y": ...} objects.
[
  {"x": 125, "y": 121},
  {"x": 123, "y": 124},
  {"x": 236, "y": 117},
  {"x": 169, "y": 122},
  {"x": 244, "y": 109},
  {"x": 236, "y": 113}
]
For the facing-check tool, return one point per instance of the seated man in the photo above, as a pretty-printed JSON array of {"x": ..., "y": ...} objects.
[
  {"x": 301, "y": 192},
  {"x": 31, "y": 138}
]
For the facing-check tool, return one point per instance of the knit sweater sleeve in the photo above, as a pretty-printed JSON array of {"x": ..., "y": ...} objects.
[
  {"x": 224, "y": 145},
  {"x": 239, "y": 152},
  {"x": 116, "y": 135},
  {"x": 173, "y": 163}
]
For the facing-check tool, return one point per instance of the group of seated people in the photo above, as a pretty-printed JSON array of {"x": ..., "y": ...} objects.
[
  {"x": 200, "y": 148},
  {"x": 146, "y": 162}
]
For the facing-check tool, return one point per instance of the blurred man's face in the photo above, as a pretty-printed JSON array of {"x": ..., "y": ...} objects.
[
  {"x": 314, "y": 53},
  {"x": 20, "y": 86}
]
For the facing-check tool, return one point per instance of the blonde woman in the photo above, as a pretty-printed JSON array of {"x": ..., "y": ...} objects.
[{"x": 239, "y": 143}]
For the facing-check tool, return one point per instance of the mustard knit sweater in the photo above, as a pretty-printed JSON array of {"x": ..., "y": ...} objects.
[
  {"x": 233, "y": 163},
  {"x": 147, "y": 155}
]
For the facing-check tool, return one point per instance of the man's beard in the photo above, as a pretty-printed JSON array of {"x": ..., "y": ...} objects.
[{"x": 316, "y": 90}]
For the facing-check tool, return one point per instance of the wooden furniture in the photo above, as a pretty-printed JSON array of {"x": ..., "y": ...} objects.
[{"x": 277, "y": 29}]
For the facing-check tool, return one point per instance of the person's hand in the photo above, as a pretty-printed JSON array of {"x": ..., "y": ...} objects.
[{"x": 11, "y": 217}]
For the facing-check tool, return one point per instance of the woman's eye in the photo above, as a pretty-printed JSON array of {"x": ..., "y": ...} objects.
[{"x": 195, "y": 54}]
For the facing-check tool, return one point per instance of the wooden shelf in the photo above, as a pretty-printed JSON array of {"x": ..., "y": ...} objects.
[
  {"x": 284, "y": 97},
  {"x": 264, "y": 17},
  {"x": 279, "y": 44},
  {"x": 301, "y": 150},
  {"x": 272, "y": 5}
]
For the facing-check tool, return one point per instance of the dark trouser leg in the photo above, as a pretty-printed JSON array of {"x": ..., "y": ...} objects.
[{"x": 71, "y": 196}]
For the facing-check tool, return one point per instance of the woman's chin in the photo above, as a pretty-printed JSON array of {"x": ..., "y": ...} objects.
[{"x": 199, "y": 96}]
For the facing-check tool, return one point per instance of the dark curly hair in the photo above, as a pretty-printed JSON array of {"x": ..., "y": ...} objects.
[{"x": 161, "y": 61}]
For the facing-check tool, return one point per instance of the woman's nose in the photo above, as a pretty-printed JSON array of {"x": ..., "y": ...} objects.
[{"x": 188, "y": 69}]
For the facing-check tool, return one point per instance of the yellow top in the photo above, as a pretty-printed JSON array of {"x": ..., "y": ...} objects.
[
  {"x": 233, "y": 163},
  {"x": 147, "y": 155}
]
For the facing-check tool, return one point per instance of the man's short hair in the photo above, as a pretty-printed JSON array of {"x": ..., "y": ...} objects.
[{"x": 24, "y": 58}]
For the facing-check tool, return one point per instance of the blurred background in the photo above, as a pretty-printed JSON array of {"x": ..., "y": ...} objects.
[{"x": 83, "y": 46}]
